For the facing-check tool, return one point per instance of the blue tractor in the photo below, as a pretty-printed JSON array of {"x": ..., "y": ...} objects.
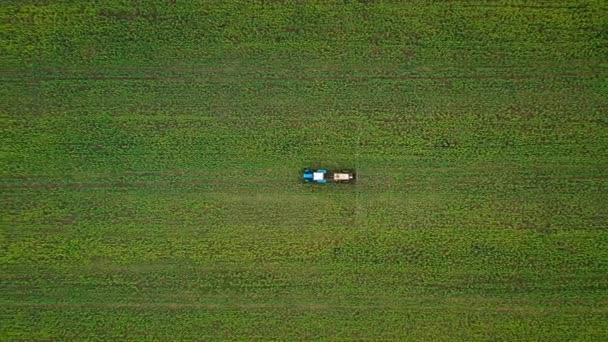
[{"x": 323, "y": 176}]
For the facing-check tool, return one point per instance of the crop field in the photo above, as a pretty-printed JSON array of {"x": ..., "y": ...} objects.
[{"x": 151, "y": 154}]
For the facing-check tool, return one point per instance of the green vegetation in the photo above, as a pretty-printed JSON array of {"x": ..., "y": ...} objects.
[{"x": 151, "y": 150}]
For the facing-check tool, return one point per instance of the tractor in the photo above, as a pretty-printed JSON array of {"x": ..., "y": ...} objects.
[{"x": 322, "y": 176}]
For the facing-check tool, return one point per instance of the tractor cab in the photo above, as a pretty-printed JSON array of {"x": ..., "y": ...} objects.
[{"x": 316, "y": 176}]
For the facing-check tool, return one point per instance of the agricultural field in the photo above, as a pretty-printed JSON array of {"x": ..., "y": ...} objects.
[{"x": 151, "y": 155}]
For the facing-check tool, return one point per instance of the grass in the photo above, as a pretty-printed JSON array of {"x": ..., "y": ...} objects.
[{"x": 150, "y": 159}]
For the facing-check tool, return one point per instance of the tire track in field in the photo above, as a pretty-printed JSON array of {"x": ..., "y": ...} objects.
[
  {"x": 357, "y": 79},
  {"x": 396, "y": 304},
  {"x": 134, "y": 184},
  {"x": 384, "y": 178},
  {"x": 164, "y": 173},
  {"x": 306, "y": 74},
  {"x": 301, "y": 70},
  {"x": 425, "y": 170},
  {"x": 526, "y": 6},
  {"x": 104, "y": 180}
]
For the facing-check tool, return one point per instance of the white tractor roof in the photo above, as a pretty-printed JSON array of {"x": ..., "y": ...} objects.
[{"x": 318, "y": 176}]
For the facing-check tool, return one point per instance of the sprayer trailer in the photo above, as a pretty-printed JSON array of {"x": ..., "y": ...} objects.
[{"x": 322, "y": 176}]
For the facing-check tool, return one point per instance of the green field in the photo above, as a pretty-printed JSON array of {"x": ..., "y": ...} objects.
[{"x": 151, "y": 150}]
